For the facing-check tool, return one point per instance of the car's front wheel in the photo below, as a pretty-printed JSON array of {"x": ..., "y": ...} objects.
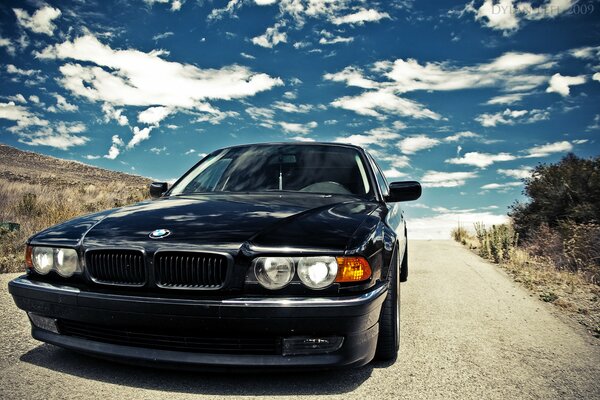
[{"x": 388, "y": 341}]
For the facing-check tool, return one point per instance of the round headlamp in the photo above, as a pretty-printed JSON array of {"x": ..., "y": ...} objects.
[
  {"x": 317, "y": 272},
  {"x": 43, "y": 259},
  {"x": 274, "y": 272},
  {"x": 67, "y": 262}
]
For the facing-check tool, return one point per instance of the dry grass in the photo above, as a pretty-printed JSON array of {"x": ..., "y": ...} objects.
[
  {"x": 37, "y": 191},
  {"x": 36, "y": 207},
  {"x": 574, "y": 291}
]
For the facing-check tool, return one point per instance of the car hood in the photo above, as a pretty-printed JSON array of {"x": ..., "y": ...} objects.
[{"x": 221, "y": 222}]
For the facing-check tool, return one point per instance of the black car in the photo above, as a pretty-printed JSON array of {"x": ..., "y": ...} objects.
[{"x": 266, "y": 255}]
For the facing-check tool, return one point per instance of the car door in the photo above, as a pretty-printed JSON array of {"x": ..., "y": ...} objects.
[{"x": 395, "y": 215}]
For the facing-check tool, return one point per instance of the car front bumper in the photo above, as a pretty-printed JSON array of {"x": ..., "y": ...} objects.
[{"x": 355, "y": 318}]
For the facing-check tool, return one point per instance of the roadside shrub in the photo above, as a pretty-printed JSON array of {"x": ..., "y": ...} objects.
[
  {"x": 460, "y": 234},
  {"x": 581, "y": 246},
  {"x": 496, "y": 243},
  {"x": 565, "y": 191},
  {"x": 28, "y": 206}
]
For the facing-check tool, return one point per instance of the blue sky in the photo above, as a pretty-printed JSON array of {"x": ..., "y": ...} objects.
[{"x": 465, "y": 96}]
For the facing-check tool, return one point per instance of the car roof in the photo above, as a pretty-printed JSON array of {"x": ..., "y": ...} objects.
[{"x": 331, "y": 144}]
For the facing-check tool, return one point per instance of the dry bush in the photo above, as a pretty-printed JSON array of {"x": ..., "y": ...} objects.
[
  {"x": 36, "y": 207},
  {"x": 571, "y": 247},
  {"x": 460, "y": 234},
  {"x": 496, "y": 243}
]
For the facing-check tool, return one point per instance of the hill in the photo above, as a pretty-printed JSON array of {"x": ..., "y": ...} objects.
[
  {"x": 38, "y": 191},
  {"x": 33, "y": 168}
]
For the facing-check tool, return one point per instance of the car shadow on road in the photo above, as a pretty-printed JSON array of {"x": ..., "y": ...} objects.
[{"x": 210, "y": 383}]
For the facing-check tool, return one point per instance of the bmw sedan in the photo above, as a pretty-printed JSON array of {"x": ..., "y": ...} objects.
[{"x": 268, "y": 255}]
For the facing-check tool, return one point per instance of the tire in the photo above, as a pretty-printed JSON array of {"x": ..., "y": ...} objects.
[{"x": 388, "y": 342}]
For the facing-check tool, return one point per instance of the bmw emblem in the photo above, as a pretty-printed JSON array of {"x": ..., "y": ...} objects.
[{"x": 159, "y": 233}]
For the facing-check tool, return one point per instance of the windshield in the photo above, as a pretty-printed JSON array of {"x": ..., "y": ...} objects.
[{"x": 298, "y": 168}]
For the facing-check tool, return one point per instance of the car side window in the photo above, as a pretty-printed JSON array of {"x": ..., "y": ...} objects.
[{"x": 381, "y": 181}]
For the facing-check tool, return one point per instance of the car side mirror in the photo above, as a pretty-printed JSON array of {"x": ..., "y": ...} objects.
[
  {"x": 403, "y": 191},
  {"x": 157, "y": 189}
]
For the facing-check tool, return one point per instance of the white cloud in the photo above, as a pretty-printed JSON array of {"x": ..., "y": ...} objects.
[
  {"x": 511, "y": 72},
  {"x": 163, "y": 35},
  {"x": 8, "y": 45},
  {"x": 596, "y": 76},
  {"x": 301, "y": 44},
  {"x": 153, "y": 115},
  {"x": 507, "y": 15},
  {"x": 248, "y": 56},
  {"x": 11, "y": 69},
  {"x": 17, "y": 98},
  {"x": 215, "y": 117},
  {"x": 260, "y": 113},
  {"x": 360, "y": 17},
  {"x": 40, "y": 21},
  {"x": 446, "y": 179},
  {"x": 111, "y": 113},
  {"x": 49, "y": 137},
  {"x": 175, "y": 4},
  {"x": 480, "y": 160},
  {"x": 265, "y": 2},
  {"x": 587, "y": 53},
  {"x": 139, "y": 135},
  {"x": 521, "y": 173},
  {"x": 292, "y": 108},
  {"x": 510, "y": 117},
  {"x": 413, "y": 144},
  {"x": 63, "y": 105},
  {"x": 272, "y": 36},
  {"x": 132, "y": 77},
  {"x": 506, "y": 99},
  {"x": 501, "y": 186},
  {"x": 290, "y": 127},
  {"x": 377, "y": 136},
  {"x": 393, "y": 173},
  {"x": 73, "y": 127},
  {"x": 394, "y": 160},
  {"x": 549, "y": 148},
  {"x": 440, "y": 226},
  {"x": 561, "y": 84},
  {"x": 352, "y": 76},
  {"x": 20, "y": 115},
  {"x": 158, "y": 150},
  {"x": 329, "y": 38},
  {"x": 460, "y": 135},
  {"x": 230, "y": 8},
  {"x": 302, "y": 139},
  {"x": 374, "y": 103},
  {"x": 114, "y": 150}
]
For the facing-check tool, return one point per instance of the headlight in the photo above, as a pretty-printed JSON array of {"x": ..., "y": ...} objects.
[
  {"x": 43, "y": 259},
  {"x": 317, "y": 272},
  {"x": 67, "y": 262},
  {"x": 274, "y": 272}
]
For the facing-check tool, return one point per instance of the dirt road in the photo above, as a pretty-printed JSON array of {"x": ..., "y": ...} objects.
[{"x": 468, "y": 332}]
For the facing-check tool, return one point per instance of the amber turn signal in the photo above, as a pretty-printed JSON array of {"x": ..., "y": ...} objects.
[
  {"x": 28, "y": 257},
  {"x": 352, "y": 269}
]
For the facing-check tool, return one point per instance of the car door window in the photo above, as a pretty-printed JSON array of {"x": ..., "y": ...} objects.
[{"x": 381, "y": 181}]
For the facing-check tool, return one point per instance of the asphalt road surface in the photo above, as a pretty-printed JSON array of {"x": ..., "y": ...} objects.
[{"x": 467, "y": 332}]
